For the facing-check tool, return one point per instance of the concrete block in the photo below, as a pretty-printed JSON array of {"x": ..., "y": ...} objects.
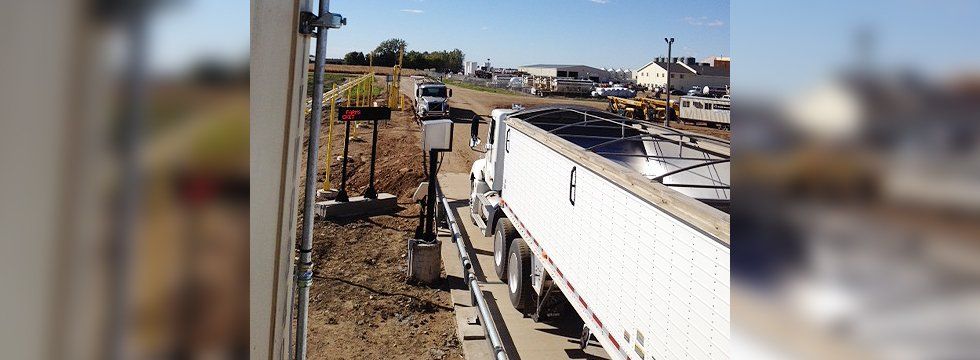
[
  {"x": 424, "y": 261},
  {"x": 325, "y": 195},
  {"x": 357, "y": 206},
  {"x": 461, "y": 297},
  {"x": 467, "y": 331}
]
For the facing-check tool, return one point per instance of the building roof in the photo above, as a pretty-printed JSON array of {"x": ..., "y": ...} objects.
[
  {"x": 557, "y": 66},
  {"x": 674, "y": 67},
  {"x": 711, "y": 70}
]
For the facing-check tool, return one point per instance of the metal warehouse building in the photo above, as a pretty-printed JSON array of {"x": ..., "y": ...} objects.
[{"x": 566, "y": 71}]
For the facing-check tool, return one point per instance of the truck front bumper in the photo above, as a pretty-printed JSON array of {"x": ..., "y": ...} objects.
[{"x": 435, "y": 114}]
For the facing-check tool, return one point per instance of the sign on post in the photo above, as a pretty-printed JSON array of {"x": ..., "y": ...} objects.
[
  {"x": 363, "y": 113},
  {"x": 349, "y": 114}
]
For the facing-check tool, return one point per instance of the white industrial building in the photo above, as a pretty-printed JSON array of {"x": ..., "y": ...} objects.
[
  {"x": 566, "y": 71},
  {"x": 620, "y": 76},
  {"x": 684, "y": 73},
  {"x": 470, "y": 67}
]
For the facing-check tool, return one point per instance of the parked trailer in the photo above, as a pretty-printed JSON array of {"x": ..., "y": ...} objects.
[
  {"x": 544, "y": 86},
  {"x": 709, "y": 110},
  {"x": 621, "y": 220}
]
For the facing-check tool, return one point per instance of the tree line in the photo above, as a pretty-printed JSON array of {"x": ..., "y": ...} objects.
[{"x": 386, "y": 54}]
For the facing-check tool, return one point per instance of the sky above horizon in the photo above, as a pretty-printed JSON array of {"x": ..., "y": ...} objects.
[{"x": 599, "y": 33}]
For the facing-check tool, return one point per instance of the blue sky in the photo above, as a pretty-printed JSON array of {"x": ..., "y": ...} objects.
[{"x": 601, "y": 33}]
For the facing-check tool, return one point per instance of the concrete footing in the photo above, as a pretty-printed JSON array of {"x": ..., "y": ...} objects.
[
  {"x": 325, "y": 195},
  {"x": 424, "y": 261},
  {"x": 357, "y": 206}
]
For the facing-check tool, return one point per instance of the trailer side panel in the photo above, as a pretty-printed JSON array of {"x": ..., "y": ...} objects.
[{"x": 648, "y": 283}]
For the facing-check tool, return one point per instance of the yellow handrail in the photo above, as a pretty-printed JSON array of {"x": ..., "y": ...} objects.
[{"x": 354, "y": 94}]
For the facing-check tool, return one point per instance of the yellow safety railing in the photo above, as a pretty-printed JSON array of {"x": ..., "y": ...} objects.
[{"x": 353, "y": 93}]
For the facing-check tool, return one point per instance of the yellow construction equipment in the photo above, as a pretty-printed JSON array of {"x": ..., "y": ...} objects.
[
  {"x": 395, "y": 100},
  {"x": 642, "y": 108}
]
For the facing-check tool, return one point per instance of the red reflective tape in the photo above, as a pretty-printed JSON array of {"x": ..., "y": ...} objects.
[
  {"x": 559, "y": 272},
  {"x": 597, "y": 320},
  {"x": 571, "y": 287},
  {"x": 613, "y": 341},
  {"x": 583, "y": 302}
]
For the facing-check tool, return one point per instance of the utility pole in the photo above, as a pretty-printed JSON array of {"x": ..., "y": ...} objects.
[
  {"x": 668, "y": 109},
  {"x": 322, "y": 21}
]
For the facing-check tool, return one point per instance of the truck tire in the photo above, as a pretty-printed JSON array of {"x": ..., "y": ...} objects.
[
  {"x": 505, "y": 234},
  {"x": 519, "y": 274}
]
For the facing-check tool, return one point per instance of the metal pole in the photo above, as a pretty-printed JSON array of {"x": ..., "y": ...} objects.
[
  {"x": 121, "y": 246},
  {"x": 667, "y": 107},
  {"x": 304, "y": 272},
  {"x": 430, "y": 201},
  {"x": 342, "y": 192},
  {"x": 371, "y": 193}
]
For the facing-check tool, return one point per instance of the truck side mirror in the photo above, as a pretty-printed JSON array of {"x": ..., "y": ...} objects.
[
  {"x": 474, "y": 131},
  {"x": 450, "y": 92},
  {"x": 417, "y": 93}
]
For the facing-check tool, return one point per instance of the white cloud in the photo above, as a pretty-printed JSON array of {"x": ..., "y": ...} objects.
[
  {"x": 413, "y": 11},
  {"x": 703, "y": 21},
  {"x": 600, "y": 1}
]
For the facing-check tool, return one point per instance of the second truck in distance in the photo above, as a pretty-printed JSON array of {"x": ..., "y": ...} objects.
[{"x": 431, "y": 98}]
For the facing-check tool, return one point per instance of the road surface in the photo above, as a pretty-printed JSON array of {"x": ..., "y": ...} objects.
[
  {"x": 523, "y": 338},
  {"x": 465, "y": 103}
]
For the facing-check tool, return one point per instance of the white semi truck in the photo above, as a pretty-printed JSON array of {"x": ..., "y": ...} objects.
[
  {"x": 431, "y": 98},
  {"x": 622, "y": 220}
]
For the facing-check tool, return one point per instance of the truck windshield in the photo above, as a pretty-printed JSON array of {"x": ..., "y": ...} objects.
[{"x": 434, "y": 91}]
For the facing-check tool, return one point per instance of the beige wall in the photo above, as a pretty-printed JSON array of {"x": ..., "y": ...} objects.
[{"x": 278, "y": 70}]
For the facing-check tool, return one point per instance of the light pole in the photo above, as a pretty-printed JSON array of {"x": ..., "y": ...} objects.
[{"x": 668, "y": 108}]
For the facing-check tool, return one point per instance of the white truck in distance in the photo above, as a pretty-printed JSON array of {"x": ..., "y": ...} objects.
[
  {"x": 623, "y": 221},
  {"x": 431, "y": 98}
]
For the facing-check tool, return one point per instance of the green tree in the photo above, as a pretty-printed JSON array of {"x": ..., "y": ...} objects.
[
  {"x": 455, "y": 60},
  {"x": 355, "y": 58},
  {"x": 386, "y": 54}
]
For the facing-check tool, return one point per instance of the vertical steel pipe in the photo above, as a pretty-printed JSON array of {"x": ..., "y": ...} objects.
[{"x": 304, "y": 272}]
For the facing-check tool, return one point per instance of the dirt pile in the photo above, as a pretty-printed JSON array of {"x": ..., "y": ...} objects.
[{"x": 361, "y": 306}]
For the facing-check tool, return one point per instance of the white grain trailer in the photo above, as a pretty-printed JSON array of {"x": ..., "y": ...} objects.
[
  {"x": 622, "y": 220},
  {"x": 703, "y": 109}
]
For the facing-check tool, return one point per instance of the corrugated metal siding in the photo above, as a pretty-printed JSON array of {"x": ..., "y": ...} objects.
[{"x": 638, "y": 268}]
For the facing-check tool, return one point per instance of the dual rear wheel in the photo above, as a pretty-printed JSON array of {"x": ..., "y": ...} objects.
[{"x": 512, "y": 263}]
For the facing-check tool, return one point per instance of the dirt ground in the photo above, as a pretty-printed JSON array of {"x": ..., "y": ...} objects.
[{"x": 361, "y": 306}]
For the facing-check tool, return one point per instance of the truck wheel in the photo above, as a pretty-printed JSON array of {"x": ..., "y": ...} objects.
[
  {"x": 505, "y": 234},
  {"x": 519, "y": 274}
]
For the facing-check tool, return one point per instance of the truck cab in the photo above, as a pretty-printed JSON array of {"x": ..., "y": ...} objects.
[
  {"x": 432, "y": 99},
  {"x": 486, "y": 174}
]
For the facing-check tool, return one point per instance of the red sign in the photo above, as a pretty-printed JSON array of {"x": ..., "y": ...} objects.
[{"x": 363, "y": 113}]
